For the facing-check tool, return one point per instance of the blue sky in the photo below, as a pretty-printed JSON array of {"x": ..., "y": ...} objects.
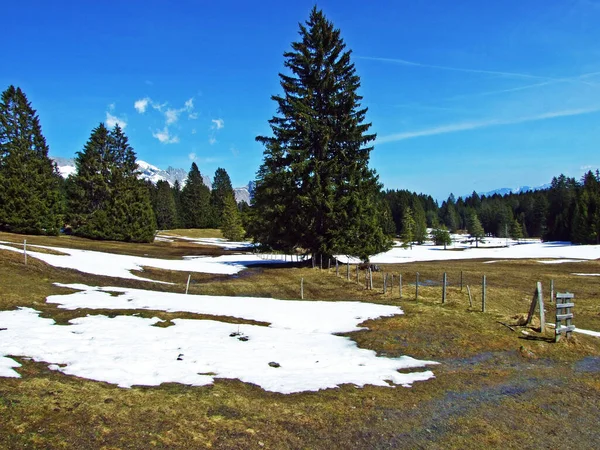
[{"x": 463, "y": 96}]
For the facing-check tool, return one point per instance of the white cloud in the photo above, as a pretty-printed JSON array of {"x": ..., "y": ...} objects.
[
  {"x": 172, "y": 115},
  {"x": 193, "y": 131},
  {"x": 218, "y": 124},
  {"x": 164, "y": 137},
  {"x": 111, "y": 121},
  {"x": 192, "y": 156},
  {"x": 463, "y": 126},
  {"x": 111, "y": 107},
  {"x": 212, "y": 140},
  {"x": 235, "y": 152},
  {"x": 159, "y": 106},
  {"x": 141, "y": 105}
]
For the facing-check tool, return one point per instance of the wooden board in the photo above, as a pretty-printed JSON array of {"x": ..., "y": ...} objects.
[
  {"x": 564, "y": 316},
  {"x": 565, "y": 305}
]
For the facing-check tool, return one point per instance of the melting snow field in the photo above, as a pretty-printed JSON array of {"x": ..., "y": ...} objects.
[
  {"x": 120, "y": 266},
  {"x": 296, "y": 352},
  {"x": 556, "y": 251}
]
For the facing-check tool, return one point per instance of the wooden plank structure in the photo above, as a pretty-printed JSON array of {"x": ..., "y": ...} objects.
[
  {"x": 564, "y": 312},
  {"x": 537, "y": 299}
]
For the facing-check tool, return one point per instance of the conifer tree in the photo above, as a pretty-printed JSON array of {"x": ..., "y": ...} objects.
[
  {"x": 30, "y": 198},
  {"x": 221, "y": 190},
  {"x": 408, "y": 229},
  {"x": 314, "y": 189},
  {"x": 165, "y": 210},
  {"x": 105, "y": 197},
  {"x": 474, "y": 228},
  {"x": 195, "y": 201},
  {"x": 176, "y": 190},
  {"x": 231, "y": 224},
  {"x": 516, "y": 230},
  {"x": 441, "y": 236}
]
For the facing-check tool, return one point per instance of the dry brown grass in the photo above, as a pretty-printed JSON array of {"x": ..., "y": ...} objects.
[{"x": 494, "y": 387}]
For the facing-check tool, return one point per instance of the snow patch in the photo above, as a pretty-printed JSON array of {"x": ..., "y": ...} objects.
[
  {"x": 6, "y": 367},
  {"x": 120, "y": 266},
  {"x": 305, "y": 316},
  {"x": 129, "y": 350}
]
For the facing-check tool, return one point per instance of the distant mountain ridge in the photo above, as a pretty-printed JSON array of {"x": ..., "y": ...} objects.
[
  {"x": 66, "y": 167},
  {"x": 519, "y": 190}
]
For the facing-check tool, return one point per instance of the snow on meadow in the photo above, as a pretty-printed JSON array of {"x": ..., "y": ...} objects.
[
  {"x": 120, "y": 266},
  {"x": 216, "y": 242},
  {"x": 493, "y": 248},
  {"x": 296, "y": 352},
  {"x": 300, "y": 315}
]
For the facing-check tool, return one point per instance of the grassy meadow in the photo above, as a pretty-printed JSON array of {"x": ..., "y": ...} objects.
[{"x": 498, "y": 385}]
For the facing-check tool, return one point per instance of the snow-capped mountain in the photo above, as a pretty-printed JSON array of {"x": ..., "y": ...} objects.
[
  {"x": 66, "y": 167},
  {"x": 518, "y": 190}
]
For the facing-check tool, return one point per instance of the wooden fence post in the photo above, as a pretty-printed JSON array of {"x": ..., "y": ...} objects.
[
  {"x": 357, "y": 275},
  {"x": 417, "y": 288},
  {"x": 461, "y": 281},
  {"x": 328, "y": 264},
  {"x": 25, "y": 250},
  {"x": 321, "y": 263},
  {"x": 302, "y": 288},
  {"x": 337, "y": 268},
  {"x": 187, "y": 287},
  {"x": 537, "y": 299},
  {"x": 470, "y": 298},
  {"x": 384, "y": 283},
  {"x": 551, "y": 291},
  {"x": 348, "y": 269},
  {"x": 444, "y": 288},
  {"x": 483, "y": 286},
  {"x": 400, "y": 283}
]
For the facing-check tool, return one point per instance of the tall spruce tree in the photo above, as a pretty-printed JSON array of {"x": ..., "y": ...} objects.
[
  {"x": 165, "y": 209},
  {"x": 106, "y": 199},
  {"x": 314, "y": 189},
  {"x": 219, "y": 195},
  {"x": 231, "y": 223},
  {"x": 408, "y": 228},
  {"x": 30, "y": 197},
  {"x": 176, "y": 190},
  {"x": 195, "y": 201}
]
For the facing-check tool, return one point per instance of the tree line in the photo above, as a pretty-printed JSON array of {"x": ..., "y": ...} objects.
[
  {"x": 569, "y": 210},
  {"x": 104, "y": 198}
]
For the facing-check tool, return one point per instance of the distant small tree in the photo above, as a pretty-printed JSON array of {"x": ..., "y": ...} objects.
[
  {"x": 516, "y": 230},
  {"x": 441, "y": 236},
  {"x": 408, "y": 229},
  {"x": 231, "y": 223},
  {"x": 474, "y": 228}
]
